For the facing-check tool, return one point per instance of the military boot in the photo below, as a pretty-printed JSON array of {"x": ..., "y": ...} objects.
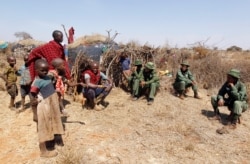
[
  {"x": 234, "y": 121},
  {"x": 196, "y": 95},
  {"x": 217, "y": 115},
  {"x": 181, "y": 95},
  {"x": 230, "y": 117}
]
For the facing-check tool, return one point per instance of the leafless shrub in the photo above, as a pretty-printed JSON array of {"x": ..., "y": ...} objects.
[
  {"x": 133, "y": 51},
  {"x": 234, "y": 48},
  {"x": 70, "y": 156},
  {"x": 81, "y": 63},
  {"x": 210, "y": 72},
  {"x": 23, "y": 35},
  {"x": 200, "y": 52}
]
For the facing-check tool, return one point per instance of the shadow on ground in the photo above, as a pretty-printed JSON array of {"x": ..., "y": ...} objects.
[{"x": 210, "y": 114}]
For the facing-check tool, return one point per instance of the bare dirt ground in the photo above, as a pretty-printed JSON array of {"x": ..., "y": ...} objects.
[{"x": 169, "y": 131}]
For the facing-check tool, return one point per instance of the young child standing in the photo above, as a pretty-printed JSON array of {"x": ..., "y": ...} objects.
[
  {"x": 57, "y": 76},
  {"x": 10, "y": 78},
  {"x": 45, "y": 99},
  {"x": 25, "y": 81}
]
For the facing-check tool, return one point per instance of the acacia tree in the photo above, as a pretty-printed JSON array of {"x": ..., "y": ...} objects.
[{"x": 23, "y": 35}]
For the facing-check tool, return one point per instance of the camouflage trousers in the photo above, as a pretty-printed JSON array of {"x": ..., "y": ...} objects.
[
  {"x": 151, "y": 88},
  {"x": 237, "y": 107},
  {"x": 182, "y": 85},
  {"x": 134, "y": 86}
]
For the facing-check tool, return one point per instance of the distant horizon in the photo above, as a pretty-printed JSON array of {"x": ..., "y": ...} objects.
[
  {"x": 136, "y": 41},
  {"x": 223, "y": 23}
]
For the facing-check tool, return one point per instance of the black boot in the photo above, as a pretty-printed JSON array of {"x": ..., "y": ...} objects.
[
  {"x": 234, "y": 121},
  {"x": 217, "y": 115},
  {"x": 196, "y": 95},
  {"x": 230, "y": 117},
  {"x": 181, "y": 94}
]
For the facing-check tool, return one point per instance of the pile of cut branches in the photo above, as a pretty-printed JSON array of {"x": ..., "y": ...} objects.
[
  {"x": 110, "y": 61},
  {"x": 82, "y": 62}
]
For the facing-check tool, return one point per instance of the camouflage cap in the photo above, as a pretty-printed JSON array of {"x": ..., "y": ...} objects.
[
  {"x": 138, "y": 62},
  {"x": 185, "y": 63},
  {"x": 150, "y": 65},
  {"x": 234, "y": 73}
]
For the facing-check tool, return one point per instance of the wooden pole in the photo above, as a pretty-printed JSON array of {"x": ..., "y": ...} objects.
[{"x": 65, "y": 33}]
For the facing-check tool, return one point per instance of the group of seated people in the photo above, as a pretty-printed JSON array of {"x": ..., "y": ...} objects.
[
  {"x": 232, "y": 94},
  {"x": 144, "y": 81}
]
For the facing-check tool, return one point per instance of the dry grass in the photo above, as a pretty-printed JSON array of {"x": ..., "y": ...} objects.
[
  {"x": 209, "y": 66},
  {"x": 210, "y": 72},
  {"x": 70, "y": 155},
  {"x": 88, "y": 40},
  {"x": 28, "y": 42},
  {"x": 169, "y": 131}
]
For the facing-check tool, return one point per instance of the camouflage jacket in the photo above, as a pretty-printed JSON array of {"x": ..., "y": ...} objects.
[
  {"x": 150, "y": 77},
  {"x": 184, "y": 76},
  {"x": 235, "y": 93},
  {"x": 137, "y": 74}
]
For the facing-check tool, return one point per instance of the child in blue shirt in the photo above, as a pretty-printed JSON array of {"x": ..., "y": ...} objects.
[{"x": 25, "y": 81}]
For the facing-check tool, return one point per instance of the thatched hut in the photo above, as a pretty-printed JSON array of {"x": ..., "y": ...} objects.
[{"x": 24, "y": 47}]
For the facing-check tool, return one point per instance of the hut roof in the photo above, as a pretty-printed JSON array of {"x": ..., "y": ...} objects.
[
  {"x": 88, "y": 40},
  {"x": 28, "y": 42}
]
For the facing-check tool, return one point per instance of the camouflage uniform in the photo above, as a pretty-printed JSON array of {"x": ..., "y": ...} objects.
[
  {"x": 235, "y": 98},
  {"x": 151, "y": 80},
  {"x": 184, "y": 80},
  {"x": 134, "y": 79}
]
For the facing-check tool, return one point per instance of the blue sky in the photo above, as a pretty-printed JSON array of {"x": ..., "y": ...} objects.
[{"x": 158, "y": 23}]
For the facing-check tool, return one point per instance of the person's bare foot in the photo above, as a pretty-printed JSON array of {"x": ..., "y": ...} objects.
[
  {"x": 98, "y": 108},
  {"x": 64, "y": 113}
]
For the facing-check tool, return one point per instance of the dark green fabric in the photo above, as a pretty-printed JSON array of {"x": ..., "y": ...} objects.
[
  {"x": 150, "y": 77},
  {"x": 152, "y": 81},
  {"x": 134, "y": 81},
  {"x": 184, "y": 80},
  {"x": 186, "y": 76},
  {"x": 234, "y": 73},
  {"x": 237, "y": 92}
]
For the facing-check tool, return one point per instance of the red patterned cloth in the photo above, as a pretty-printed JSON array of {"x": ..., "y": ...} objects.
[
  {"x": 71, "y": 35},
  {"x": 59, "y": 85},
  {"x": 49, "y": 52},
  {"x": 94, "y": 78}
]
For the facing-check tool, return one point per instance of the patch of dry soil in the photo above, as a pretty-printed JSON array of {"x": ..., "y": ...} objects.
[{"x": 169, "y": 131}]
